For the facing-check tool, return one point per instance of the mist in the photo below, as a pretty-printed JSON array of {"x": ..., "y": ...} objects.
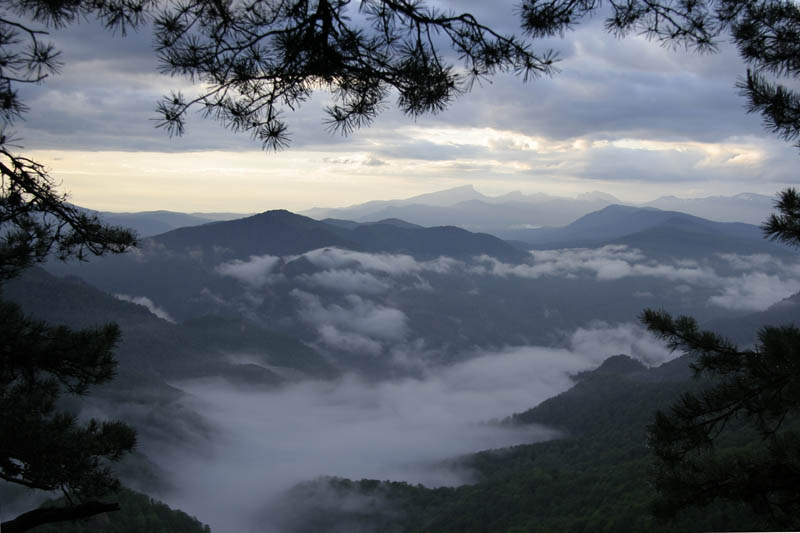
[{"x": 265, "y": 442}]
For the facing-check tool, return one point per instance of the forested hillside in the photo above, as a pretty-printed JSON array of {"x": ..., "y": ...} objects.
[{"x": 593, "y": 478}]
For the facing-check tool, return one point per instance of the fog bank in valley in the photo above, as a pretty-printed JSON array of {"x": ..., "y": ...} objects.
[{"x": 266, "y": 442}]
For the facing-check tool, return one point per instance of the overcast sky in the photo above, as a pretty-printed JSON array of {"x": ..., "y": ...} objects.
[{"x": 626, "y": 117}]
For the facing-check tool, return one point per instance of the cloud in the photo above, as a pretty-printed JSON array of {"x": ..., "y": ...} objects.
[
  {"x": 732, "y": 281},
  {"x": 596, "y": 112},
  {"x": 255, "y": 272},
  {"x": 755, "y": 291},
  {"x": 392, "y": 264},
  {"x": 610, "y": 262},
  {"x": 770, "y": 281},
  {"x": 348, "y": 341},
  {"x": 764, "y": 281},
  {"x": 400, "y": 429},
  {"x": 600, "y": 339},
  {"x": 761, "y": 262},
  {"x": 357, "y": 315},
  {"x": 374, "y": 162},
  {"x": 148, "y": 303}
]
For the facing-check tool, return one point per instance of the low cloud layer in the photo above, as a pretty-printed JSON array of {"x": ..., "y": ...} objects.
[
  {"x": 268, "y": 441},
  {"x": 393, "y": 264},
  {"x": 755, "y": 291},
  {"x": 255, "y": 272},
  {"x": 610, "y": 262},
  {"x": 357, "y": 315},
  {"x": 349, "y": 303},
  {"x": 758, "y": 280}
]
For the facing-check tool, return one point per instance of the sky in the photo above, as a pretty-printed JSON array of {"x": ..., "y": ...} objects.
[{"x": 624, "y": 116}]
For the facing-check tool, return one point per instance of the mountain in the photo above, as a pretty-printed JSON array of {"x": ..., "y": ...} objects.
[
  {"x": 149, "y": 223},
  {"x": 428, "y": 243},
  {"x": 185, "y": 271},
  {"x": 272, "y": 232},
  {"x": 376, "y": 298},
  {"x": 154, "y": 350},
  {"x": 692, "y": 238},
  {"x": 359, "y": 211},
  {"x": 284, "y": 233},
  {"x": 349, "y": 224},
  {"x": 653, "y": 230},
  {"x": 594, "y": 477},
  {"x": 746, "y": 207},
  {"x": 467, "y": 208},
  {"x": 447, "y": 197},
  {"x": 510, "y": 214}
]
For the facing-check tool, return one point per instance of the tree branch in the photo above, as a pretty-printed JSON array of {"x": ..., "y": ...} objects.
[{"x": 48, "y": 515}]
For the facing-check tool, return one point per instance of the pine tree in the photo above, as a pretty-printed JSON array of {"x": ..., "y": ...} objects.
[
  {"x": 258, "y": 59},
  {"x": 753, "y": 395},
  {"x": 46, "y": 448},
  {"x": 41, "y": 446}
]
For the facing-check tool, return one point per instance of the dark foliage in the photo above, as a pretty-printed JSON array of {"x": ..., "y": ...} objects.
[
  {"x": 35, "y": 218},
  {"x": 257, "y": 58},
  {"x": 43, "y": 447},
  {"x": 36, "y": 221},
  {"x": 755, "y": 391},
  {"x": 759, "y": 388},
  {"x": 137, "y": 513},
  {"x": 784, "y": 226}
]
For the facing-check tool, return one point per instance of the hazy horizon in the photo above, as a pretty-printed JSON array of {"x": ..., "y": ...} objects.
[{"x": 387, "y": 198}]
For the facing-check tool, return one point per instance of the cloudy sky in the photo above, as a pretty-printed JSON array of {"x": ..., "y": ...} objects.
[{"x": 626, "y": 117}]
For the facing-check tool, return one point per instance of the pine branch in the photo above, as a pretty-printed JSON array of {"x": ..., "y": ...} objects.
[{"x": 49, "y": 515}]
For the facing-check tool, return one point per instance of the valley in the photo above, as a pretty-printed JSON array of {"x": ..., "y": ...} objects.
[{"x": 280, "y": 356}]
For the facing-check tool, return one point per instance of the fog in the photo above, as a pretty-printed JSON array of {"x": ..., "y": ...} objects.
[
  {"x": 769, "y": 281},
  {"x": 267, "y": 441}
]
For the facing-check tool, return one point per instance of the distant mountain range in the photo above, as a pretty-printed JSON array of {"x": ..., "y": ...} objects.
[
  {"x": 502, "y": 215},
  {"x": 653, "y": 230},
  {"x": 746, "y": 207},
  {"x": 149, "y": 223},
  {"x": 467, "y": 208},
  {"x": 281, "y": 232}
]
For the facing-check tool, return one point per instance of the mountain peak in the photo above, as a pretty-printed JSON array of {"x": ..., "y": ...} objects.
[
  {"x": 596, "y": 196},
  {"x": 446, "y": 197}
]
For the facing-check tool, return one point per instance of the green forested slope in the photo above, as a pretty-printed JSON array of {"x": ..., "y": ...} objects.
[{"x": 594, "y": 478}]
